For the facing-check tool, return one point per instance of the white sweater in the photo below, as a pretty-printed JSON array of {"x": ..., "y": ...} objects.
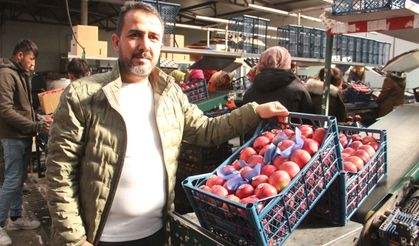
[{"x": 136, "y": 211}]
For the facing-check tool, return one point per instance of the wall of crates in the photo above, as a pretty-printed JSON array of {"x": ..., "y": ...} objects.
[
  {"x": 350, "y": 7},
  {"x": 309, "y": 42}
]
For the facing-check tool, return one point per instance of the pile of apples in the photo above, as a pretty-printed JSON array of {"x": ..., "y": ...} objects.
[
  {"x": 268, "y": 165},
  {"x": 357, "y": 151}
]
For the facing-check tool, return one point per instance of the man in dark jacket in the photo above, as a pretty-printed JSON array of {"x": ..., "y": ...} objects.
[{"x": 17, "y": 127}]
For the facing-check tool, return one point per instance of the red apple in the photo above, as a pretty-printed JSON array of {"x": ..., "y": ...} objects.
[
  {"x": 319, "y": 134},
  {"x": 311, "y": 146},
  {"x": 259, "y": 179},
  {"x": 278, "y": 160},
  {"x": 245, "y": 170},
  {"x": 289, "y": 132},
  {"x": 349, "y": 167},
  {"x": 363, "y": 155},
  {"x": 254, "y": 160},
  {"x": 263, "y": 150},
  {"x": 249, "y": 199},
  {"x": 236, "y": 165},
  {"x": 270, "y": 135},
  {"x": 356, "y": 144},
  {"x": 343, "y": 139},
  {"x": 368, "y": 148},
  {"x": 246, "y": 153},
  {"x": 260, "y": 142},
  {"x": 285, "y": 144},
  {"x": 358, "y": 162},
  {"x": 290, "y": 167},
  {"x": 345, "y": 155},
  {"x": 301, "y": 157},
  {"x": 233, "y": 198},
  {"x": 268, "y": 170},
  {"x": 356, "y": 137},
  {"x": 219, "y": 190},
  {"x": 375, "y": 145},
  {"x": 368, "y": 139},
  {"x": 244, "y": 190},
  {"x": 279, "y": 180},
  {"x": 205, "y": 188},
  {"x": 265, "y": 190},
  {"x": 348, "y": 150},
  {"x": 214, "y": 180},
  {"x": 306, "y": 131}
]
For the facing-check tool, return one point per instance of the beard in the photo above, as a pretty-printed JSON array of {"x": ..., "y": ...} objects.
[{"x": 142, "y": 70}]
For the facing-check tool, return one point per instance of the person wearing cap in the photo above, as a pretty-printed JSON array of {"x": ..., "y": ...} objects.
[
  {"x": 115, "y": 140},
  {"x": 392, "y": 92}
]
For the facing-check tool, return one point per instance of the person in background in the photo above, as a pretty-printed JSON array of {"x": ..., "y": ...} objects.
[
  {"x": 274, "y": 81},
  {"x": 392, "y": 92},
  {"x": 178, "y": 75},
  {"x": 17, "y": 128},
  {"x": 115, "y": 139},
  {"x": 357, "y": 74},
  {"x": 336, "y": 105},
  {"x": 77, "y": 68},
  {"x": 220, "y": 80}
]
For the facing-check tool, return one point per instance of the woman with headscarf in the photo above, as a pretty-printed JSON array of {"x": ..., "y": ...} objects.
[
  {"x": 392, "y": 92},
  {"x": 274, "y": 81},
  {"x": 336, "y": 105}
]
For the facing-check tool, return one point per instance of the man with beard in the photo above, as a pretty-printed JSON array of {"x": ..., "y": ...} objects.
[
  {"x": 114, "y": 143},
  {"x": 17, "y": 127}
]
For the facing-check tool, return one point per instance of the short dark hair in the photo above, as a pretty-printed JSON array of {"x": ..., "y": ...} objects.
[
  {"x": 26, "y": 46},
  {"x": 336, "y": 78},
  {"x": 78, "y": 67},
  {"x": 133, "y": 5}
]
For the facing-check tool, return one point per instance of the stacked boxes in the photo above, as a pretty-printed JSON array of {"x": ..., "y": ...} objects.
[{"x": 88, "y": 36}]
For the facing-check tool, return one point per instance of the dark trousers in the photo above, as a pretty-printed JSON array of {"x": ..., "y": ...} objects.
[{"x": 157, "y": 239}]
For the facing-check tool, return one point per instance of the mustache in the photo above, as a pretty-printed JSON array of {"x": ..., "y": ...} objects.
[{"x": 142, "y": 54}]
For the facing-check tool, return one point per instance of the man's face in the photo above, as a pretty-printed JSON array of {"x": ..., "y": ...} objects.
[
  {"x": 27, "y": 61},
  {"x": 139, "y": 44}
]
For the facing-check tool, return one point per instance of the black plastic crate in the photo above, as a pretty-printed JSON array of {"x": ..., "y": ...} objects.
[
  {"x": 350, "y": 7},
  {"x": 192, "y": 153},
  {"x": 168, "y": 12},
  {"x": 349, "y": 190},
  {"x": 250, "y": 33},
  {"x": 271, "y": 220}
]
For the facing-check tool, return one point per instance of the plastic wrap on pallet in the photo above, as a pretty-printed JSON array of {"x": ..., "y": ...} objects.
[
  {"x": 349, "y": 191},
  {"x": 351, "y": 7},
  {"x": 271, "y": 220}
]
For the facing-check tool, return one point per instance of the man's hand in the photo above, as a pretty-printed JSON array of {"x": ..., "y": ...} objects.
[
  {"x": 272, "y": 109},
  {"x": 86, "y": 243}
]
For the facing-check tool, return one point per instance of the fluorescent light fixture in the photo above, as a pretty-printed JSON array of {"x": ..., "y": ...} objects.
[
  {"x": 212, "y": 19},
  {"x": 282, "y": 12}
]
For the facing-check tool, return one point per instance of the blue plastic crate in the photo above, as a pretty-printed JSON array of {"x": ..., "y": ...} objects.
[
  {"x": 317, "y": 49},
  {"x": 350, "y": 7},
  {"x": 250, "y": 33},
  {"x": 288, "y": 38},
  {"x": 197, "y": 90},
  {"x": 349, "y": 191},
  {"x": 358, "y": 49},
  {"x": 168, "y": 12},
  {"x": 271, "y": 220}
]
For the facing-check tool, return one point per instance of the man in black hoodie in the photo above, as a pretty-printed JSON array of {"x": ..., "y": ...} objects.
[{"x": 17, "y": 127}]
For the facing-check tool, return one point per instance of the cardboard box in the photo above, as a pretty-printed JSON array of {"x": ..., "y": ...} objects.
[
  {"x": 86, "y": 33},
  {"x": 49, "y": 100},
  {"x": 168, "y": 40},
  {"x": 92, "y": 48}
]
